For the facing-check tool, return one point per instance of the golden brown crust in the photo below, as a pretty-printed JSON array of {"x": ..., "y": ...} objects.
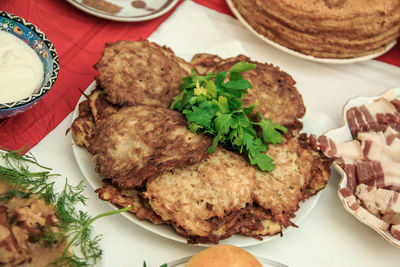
[
  {"x": 299, "y": 173},
  {"x": 100, "y": 108},
  {"x": 192, "y": 195},
  {"x": 257, "y": 222},
  {"x": 223, "y": 255},
  {"x": 128, "y": 197},
  {"x": 140, "y": 141},
  {"x": 203, "y": 62},
  {"x": 140, "y": 73},
  {"x": 83, "y": 127}
]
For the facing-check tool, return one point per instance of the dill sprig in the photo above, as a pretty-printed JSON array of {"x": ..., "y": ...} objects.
[{"x": 75, "y": 231}]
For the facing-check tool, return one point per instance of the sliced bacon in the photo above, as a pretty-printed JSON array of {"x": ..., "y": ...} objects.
[
  {"x": 323, "y": 143},
  {"x": 369, "y": 172},
  {"x": 388, "y": 118},
  {"x": 366, "y": 148},
  {"x": 371, "y": 122},
  {"x": 396, "y": 104},
  {"x": 352, "y": 122},
  {"x": 395, "y": 231},
  {"x": 375, "y": 116},
  {"x": 314, "y": 142},
  {"x": 369, "y": 218},
  {"x": 350, "y": 171},
  {"x": 361, "y": 121},
  {"x": 378, "y": 200}
]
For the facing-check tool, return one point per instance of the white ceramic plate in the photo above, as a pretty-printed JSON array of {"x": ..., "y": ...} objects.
[
  {"x": 342, "y": 134},
  {"x": 263, "y": 261},
  {"x": 87, "y": 166},
  {"x": 298, "y": 54},
  {"x": 130, "y": 10}
]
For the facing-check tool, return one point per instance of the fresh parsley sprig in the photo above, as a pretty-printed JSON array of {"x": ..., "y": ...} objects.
[
  {"x": 213, "y": 104},
  {"x": 74, "y": 225}
]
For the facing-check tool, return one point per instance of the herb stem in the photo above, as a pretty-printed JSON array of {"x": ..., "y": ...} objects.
[{"x": 89, "y": 222}]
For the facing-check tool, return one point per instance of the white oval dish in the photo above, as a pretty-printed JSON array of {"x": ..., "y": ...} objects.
[
  {"x": 87, "y": 166},
  {"x": 342, "y": 134},
  {"x": 298, "y": 54},
  {"x": 128, "y": 13}
]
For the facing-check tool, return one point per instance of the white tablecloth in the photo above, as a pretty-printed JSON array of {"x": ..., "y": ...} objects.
[{"x": 329, "y": 236}]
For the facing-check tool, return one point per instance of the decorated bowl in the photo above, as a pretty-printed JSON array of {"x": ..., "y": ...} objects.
[{"x": 43, "y": 47}]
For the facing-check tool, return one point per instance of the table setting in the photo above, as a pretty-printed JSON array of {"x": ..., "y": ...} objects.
[{"x": 326, "y": 233}]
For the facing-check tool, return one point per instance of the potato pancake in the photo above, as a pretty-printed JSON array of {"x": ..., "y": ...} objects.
[{"x": 140, "y": 141}]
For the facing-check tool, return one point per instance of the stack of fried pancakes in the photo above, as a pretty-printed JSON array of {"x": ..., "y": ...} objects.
[
  {"x": 325, "y": 28},
  {"x": 151, "y": 161}
]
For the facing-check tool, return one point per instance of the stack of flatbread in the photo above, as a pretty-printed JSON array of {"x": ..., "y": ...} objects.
[{"x": 325, "y": 28}]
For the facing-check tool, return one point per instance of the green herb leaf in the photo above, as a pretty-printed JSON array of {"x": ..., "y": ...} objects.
[
  {"x": 242, "y": 67},
  {"x": 214, "y": 105},
  {"x": 271, "y": 131}
]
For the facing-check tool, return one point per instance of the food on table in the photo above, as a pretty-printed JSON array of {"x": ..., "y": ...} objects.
[
  {"x": 141, "y": 141},
  {"x": 273, "y": 89},
  {"x": 21, "y": 220},
  {"x": 223, "y": 255},
  {"x": 296, "y": 167},
  {"x": 140, "y": 73},
  {"x": 213, "y": 188},
  {"x": 325, "y": 28},
  {"x": 129, "y": 197},
  {"x": 144, "y": 154},
  {"x": 371, "y": 162},
  {"x": 21, "y": 70},
  {"x": 39, "y": 226}
]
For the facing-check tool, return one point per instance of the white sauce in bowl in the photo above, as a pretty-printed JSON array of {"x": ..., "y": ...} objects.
[{"x": 21, "y": 70}]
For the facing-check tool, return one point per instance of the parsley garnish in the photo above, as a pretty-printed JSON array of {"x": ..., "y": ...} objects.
[
  {"x": 75, "y": 225},
  {"x": 214, "y": 106}
]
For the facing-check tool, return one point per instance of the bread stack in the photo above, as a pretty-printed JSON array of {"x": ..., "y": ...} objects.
[{"x": 325, "y": 28}]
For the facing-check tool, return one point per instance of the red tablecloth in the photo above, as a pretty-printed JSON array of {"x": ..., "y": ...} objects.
[{"x": 79, "y": 38}]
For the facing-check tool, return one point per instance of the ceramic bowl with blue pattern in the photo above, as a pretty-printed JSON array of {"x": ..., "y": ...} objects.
[{"x": 43, "y": 47}]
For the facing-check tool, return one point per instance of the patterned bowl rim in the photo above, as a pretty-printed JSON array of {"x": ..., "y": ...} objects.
[{"x": 56, "y": 67}]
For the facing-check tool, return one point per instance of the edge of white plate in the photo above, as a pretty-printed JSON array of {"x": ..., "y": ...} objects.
[
  {"x": 95, "y": 13},
  {"x": 300, "y": 55}
]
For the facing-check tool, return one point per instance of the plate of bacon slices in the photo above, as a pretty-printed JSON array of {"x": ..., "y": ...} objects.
[{"x": 367, "y": 155}]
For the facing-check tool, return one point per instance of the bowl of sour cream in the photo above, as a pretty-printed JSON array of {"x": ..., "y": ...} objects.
[{"x": 28, "y": 65}]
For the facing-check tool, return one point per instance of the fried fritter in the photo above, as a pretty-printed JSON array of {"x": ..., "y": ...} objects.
[
  {"x": 273, "y": 89},
  {"x": 95, "y": 108},
  {"x": 140, "y": 141},
  {"x": 204, "y": 62},
  {"x": 100, "y": 108},
  {"x": 128, "y": 197},
  {"x": 196, "y": 197},
  {"x": 281, "y": 190},
  {"x": 83, "y": 127},
  {"x": 257, "y": 222},
  {"x": 140, "y": 73},
  {"x": 221, "y": 228},
  {"x": 319, "y": 166}
]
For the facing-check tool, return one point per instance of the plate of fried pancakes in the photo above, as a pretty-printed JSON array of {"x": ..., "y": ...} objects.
[
  {"x": 326, "y": 31},
  {"x": 134, "y": 150}
]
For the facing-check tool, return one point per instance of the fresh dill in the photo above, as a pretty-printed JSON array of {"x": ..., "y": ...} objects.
[{"x": 75, "y": 231}]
